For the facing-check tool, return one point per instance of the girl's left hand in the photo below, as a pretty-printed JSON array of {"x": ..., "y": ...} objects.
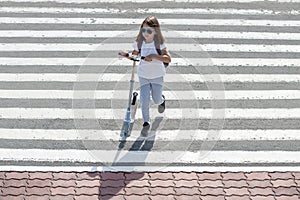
[{"x": 149, "y": 58}]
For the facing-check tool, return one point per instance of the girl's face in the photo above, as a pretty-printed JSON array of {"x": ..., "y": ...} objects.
[{"x": 148, "y": 33}]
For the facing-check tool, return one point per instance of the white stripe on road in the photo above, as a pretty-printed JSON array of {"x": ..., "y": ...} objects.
[
  {"x": 147, "y": 169},
  {"x": 4, "y": 47},
  {"x": 113, "y": 77},
  {"x": 65, "y": 10},
  {"x": 162, "y": 21},
  {"x": 172, "y": 95},
  {"x": 160, "y": 135},
  {"x": 175, "y": 61},
  {"x": 146, "y": 1},
  {"x": 238, "y": 157},
  {"x": 186, "y": 11},
  {"x": 171, "y": 113},
  {"x": 168, "y": 34}
]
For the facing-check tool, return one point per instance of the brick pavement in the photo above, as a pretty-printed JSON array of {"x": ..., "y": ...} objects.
[{"x": 149, "y": 185}]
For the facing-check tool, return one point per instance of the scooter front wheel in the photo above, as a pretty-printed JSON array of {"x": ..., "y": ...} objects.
[{"x": 125, "y": 131}]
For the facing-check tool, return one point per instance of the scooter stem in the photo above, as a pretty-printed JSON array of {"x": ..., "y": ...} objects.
[{"x": 131, "y": 84}]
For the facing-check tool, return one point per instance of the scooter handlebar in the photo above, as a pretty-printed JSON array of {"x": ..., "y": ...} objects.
[{"x": 133, "y": 57}]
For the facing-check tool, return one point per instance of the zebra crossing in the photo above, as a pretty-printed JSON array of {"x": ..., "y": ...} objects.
[{"x": 233, "y": 97}]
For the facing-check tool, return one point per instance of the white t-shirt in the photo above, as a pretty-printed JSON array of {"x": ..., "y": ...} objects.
[{"x": 153, "y": 69}]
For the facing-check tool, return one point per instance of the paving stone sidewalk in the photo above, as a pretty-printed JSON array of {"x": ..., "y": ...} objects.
[{"x": 149, "y": 185}]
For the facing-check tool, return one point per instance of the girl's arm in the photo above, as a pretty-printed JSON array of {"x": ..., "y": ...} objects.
[{"x": 165, "y": 57}]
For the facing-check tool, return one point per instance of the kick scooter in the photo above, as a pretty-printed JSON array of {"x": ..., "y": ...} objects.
[{"x": 132, "y": 101}]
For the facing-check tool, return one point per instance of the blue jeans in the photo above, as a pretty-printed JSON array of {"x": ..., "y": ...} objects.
[{"x": 147, "y": 87}]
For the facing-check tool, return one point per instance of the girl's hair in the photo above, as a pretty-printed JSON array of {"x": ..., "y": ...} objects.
[{"x": 153, "y": 23}]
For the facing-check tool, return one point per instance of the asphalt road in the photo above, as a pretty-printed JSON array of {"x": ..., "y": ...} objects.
[{"x": 250, "y": 50}]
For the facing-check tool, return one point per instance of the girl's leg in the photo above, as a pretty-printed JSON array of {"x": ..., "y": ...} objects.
[
  {"x": 145, "y": 98},
  {"x": 156, "y": 90}
]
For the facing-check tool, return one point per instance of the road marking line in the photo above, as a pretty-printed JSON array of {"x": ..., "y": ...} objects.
[
  {"x": 160, "y": 135},
  {"x": 186, "y": 11},
  {"x": 171, "y": 113},
  {"x": 162, "y": 157},
  {"x": 6, "y": 47},
  {"x": 113, "y": 77},
  {"x": 172, "y": 95},
  {"x": 175, "y": 61},
  {"x": 163, "y": 21},
  {"x": 168, "y": 34},
  {"x": 148, "y": 169}
]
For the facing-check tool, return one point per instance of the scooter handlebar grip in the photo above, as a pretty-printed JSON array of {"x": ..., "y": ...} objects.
[{"x": 126, "y": 55}]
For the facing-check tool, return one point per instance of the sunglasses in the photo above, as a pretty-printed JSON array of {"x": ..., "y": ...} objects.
[{"x": 148, "y": 30}]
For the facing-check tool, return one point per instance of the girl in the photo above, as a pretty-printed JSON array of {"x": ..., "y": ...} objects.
[{"x": 150, "y": 44}]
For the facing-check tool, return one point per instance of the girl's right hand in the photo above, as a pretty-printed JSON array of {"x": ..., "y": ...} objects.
[{"x": 123, "y": 53}]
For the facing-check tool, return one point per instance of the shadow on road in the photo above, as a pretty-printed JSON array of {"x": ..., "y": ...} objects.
[{"x": 139, "y": 152}]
